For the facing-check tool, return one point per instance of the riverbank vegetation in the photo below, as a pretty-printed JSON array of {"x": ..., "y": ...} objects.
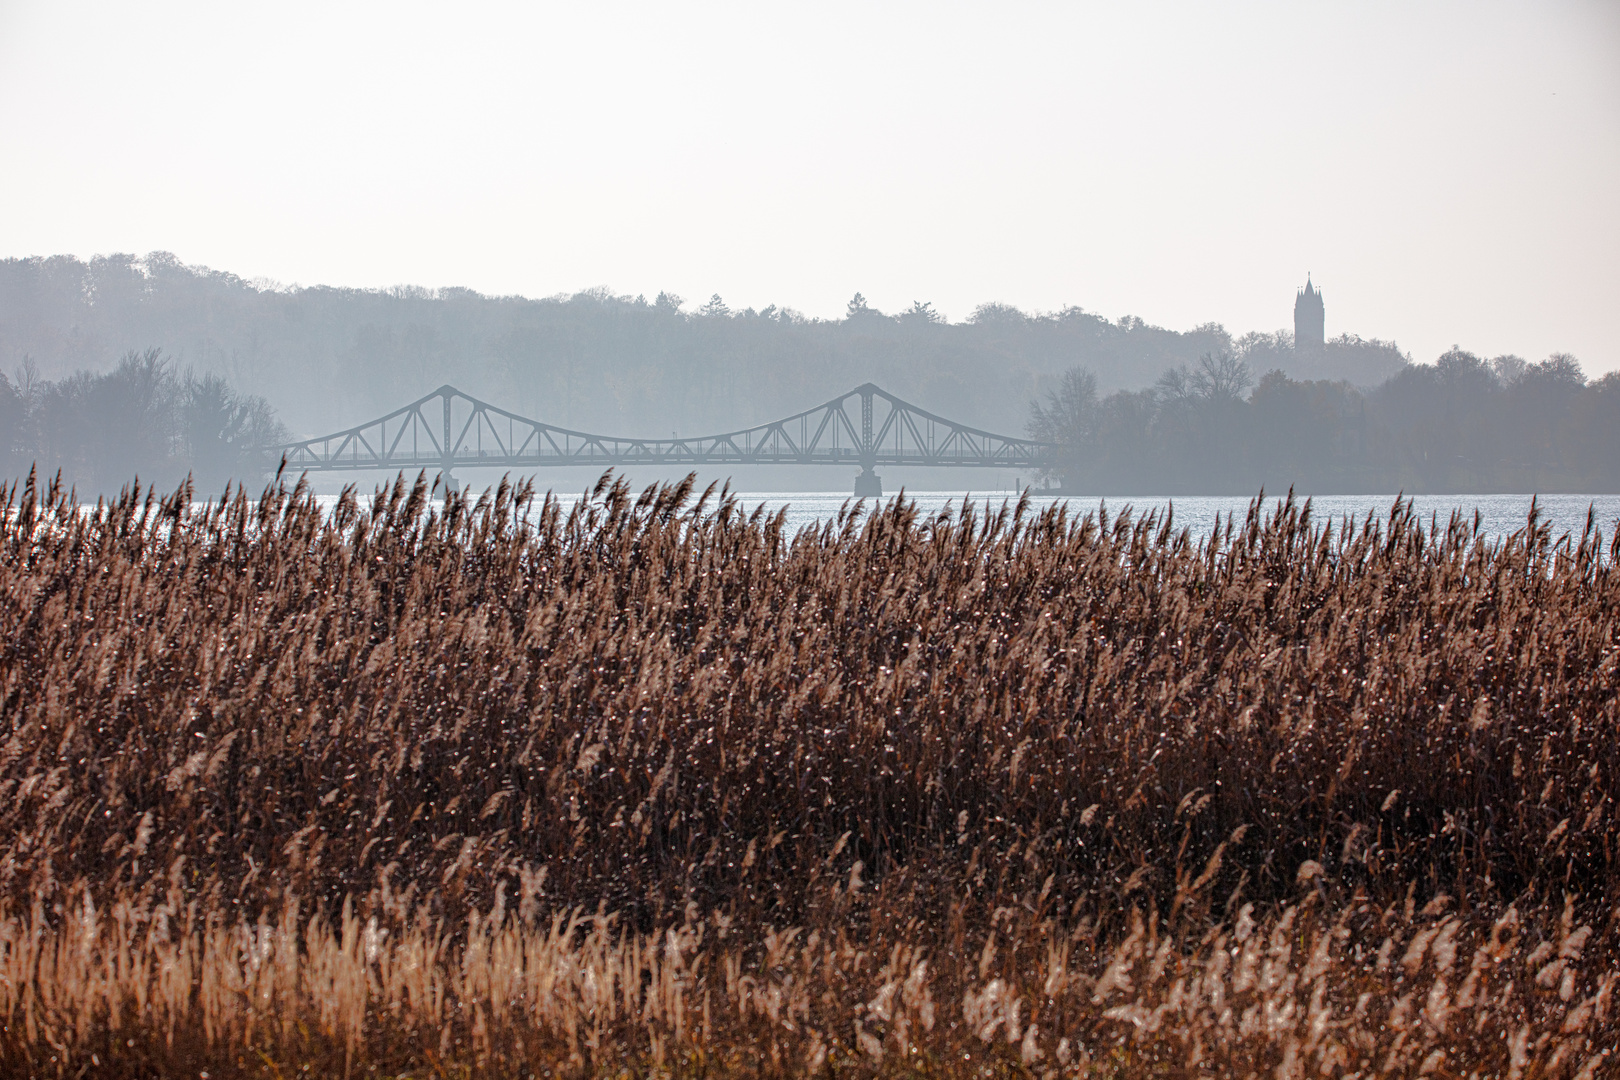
[
  {"x": 1461, "y": 424},
  {"x": 144, "y": 418},
  {"x": 647, "y": 786}
]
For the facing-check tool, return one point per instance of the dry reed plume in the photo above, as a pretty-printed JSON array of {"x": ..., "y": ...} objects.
[{"x": 648, "y": 786}]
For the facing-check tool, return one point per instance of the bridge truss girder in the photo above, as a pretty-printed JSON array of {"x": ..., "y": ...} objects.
[{"x": 448, "y": 429}]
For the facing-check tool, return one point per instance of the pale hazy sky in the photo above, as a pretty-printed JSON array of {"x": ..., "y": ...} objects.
[{"x": 1448, "y": 172}]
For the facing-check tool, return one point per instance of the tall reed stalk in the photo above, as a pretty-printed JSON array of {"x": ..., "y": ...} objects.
[{"x": 647, "y": 784}]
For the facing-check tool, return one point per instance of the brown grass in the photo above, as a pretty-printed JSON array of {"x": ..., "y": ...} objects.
[{"x": 650, "y": 786}]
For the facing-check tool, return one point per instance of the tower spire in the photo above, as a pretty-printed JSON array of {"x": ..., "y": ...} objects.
[{"x": 1309, "y": 330}]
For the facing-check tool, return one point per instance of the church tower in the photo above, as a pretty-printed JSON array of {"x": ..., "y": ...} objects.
[{"x": 1308, "y": 320}]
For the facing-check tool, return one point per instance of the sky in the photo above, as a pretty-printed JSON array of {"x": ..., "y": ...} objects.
[{"x": 1447, "y": 173}]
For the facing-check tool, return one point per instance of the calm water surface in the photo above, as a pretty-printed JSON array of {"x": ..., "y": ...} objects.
[{"x": 1499, "y": 514}]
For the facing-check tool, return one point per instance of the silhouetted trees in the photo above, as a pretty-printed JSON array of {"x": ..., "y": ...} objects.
[
  {"x": 143, "y": 418},
  {"x": 1146, "y": 409},
  {"x": 1071, "y": 413},
  {"x": 1462, "y": 424}
]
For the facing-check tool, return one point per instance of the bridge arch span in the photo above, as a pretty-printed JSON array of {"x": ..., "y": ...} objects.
[{"x": 866, "y": 427}]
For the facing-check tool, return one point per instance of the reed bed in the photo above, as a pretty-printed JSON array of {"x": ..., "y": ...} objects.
[{"x": 646, "y": 786}]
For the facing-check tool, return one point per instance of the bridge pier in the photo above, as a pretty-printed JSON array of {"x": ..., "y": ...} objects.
[
  {"x": 868, "y": 485},
  {"x": 447, "y": 448}
]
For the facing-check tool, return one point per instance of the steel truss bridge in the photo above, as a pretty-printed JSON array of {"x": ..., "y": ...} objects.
[{"x": 867, "y": 426}]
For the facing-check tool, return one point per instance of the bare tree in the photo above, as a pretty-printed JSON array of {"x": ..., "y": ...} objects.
[
  {"x": 1068, "y": 418},
  {"x": 1221, "y": 377}
]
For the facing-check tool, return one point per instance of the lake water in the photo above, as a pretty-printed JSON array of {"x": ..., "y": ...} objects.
[{"x": 1499, "y": 514}]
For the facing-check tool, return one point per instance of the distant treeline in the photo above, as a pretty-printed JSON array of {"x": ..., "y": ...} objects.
[
  {"x": 623, "y": 365},
  {"x": 1219, "y": 414},
  {"x": 143, "y": 418},
  {"x": 1463, "y": 424}
]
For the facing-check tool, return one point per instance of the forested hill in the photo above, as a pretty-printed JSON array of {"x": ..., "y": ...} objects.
[
  {"x": 326, "y": 358},
  {"x": 124, "y": 365}
]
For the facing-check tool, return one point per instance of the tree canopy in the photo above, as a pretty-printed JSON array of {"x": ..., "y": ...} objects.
[{"x": 1462, "y": 424}]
